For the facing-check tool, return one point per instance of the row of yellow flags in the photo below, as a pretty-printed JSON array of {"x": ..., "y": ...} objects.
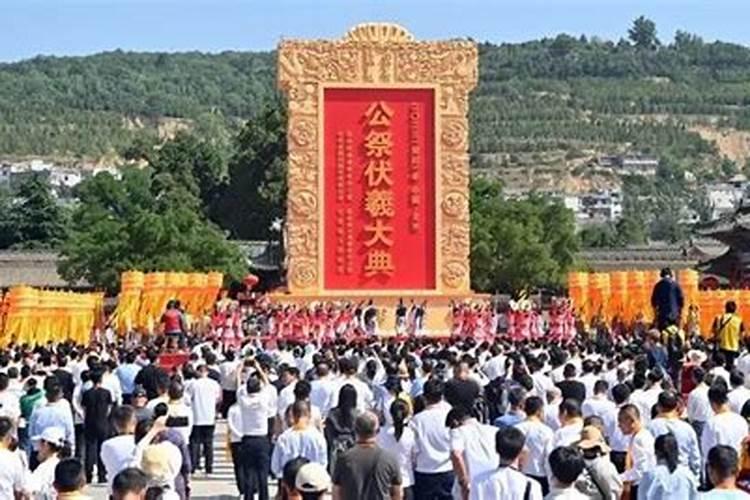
[
  {"x": 626, "y": 295},
  {"x": 33, "y": 316},
  {"x": 144, "y": 297}
]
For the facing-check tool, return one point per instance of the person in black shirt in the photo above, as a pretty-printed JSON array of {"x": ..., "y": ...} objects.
[
  {"x": 462, "y": 390},
  {"x": 64, "y": 377},
  {"x": 571, "y": 388},
  {"x": 96, "y": 403},
  {"x": 151, "y": 376}
]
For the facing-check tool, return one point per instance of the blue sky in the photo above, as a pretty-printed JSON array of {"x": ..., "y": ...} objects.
[{"x": 77, "y": 27}]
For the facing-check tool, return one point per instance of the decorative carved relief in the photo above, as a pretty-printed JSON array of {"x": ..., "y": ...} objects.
[
  {"x": 372, "y": 54},
  {"x": 455, "y": 204},
  {"x": 455, "y": 274}
]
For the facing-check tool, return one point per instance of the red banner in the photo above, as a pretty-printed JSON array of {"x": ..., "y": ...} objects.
[{"x": 379, "y": 196}]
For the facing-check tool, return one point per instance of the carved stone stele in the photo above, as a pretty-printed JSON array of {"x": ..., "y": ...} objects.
[{"x": 368, "y": 55}]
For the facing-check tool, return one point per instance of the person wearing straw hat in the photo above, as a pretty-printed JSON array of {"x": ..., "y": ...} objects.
[{"x": 600, "y": 479}]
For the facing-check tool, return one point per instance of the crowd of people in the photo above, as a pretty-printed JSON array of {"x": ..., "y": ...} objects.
[{"x": 657, "y": 415}]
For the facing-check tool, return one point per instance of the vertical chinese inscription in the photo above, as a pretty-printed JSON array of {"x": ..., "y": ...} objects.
[
  {"x": 378, "y": 178},
  {"x": 344, "y": 214},
  {"x": 415, "y": 160}
]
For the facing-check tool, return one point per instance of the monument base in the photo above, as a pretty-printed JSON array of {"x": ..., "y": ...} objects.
[{"x": 438, "y": 320}]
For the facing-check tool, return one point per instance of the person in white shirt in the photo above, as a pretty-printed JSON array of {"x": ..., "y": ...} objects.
[
  {"x": 399, "y": 438},
  {"x": 40, "y": 483},
  {"x": 111, "y": 382},
  {"x": 718, "y": 371},
  {"x": 668, "y": 421},
  {"x": 725, "y": 427},
  {"x": 472, "y": 449},
  {"x": 204, "y": 395},
  {"x": 542, "y": 383},
  {"x": 255, "y": 450},
  {"x": 566, "y": 464},
  {"x": 228, "y": 370},
  {"x": 12, "y": 468},
  {"x": 433, "y": 471},
  {"x": 589, "y": 378},
  {"x": 739, "y": 393},
  {"x": 640, "y": 455},
  {"x": 300, "y": 440},
  {"x": 178, "y": 412},
  {"x": 506, "y": 482},
  {"x": 234, "y": 429},
  {"x": 322, "y": 388},
  {"x": 723, "y": 466},
  {"x": 302, "y": 391},
  {"x": 571, "y": 425},
  {"x": 365, "y": 396},
  {"x": 9, "y": 401},
  {"x": 600, "y": 406},
  {"x": 289, "y": 376},
  {"x": 552, "y": 409},
  {"x": 495, "y": 366},
  {"x": 118, "y": 452},
  {"x": 538, "y": 435},
  {"x": 698, "y": 406}
]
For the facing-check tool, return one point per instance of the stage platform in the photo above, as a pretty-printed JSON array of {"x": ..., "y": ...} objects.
[{"x": 438, "y": 320}]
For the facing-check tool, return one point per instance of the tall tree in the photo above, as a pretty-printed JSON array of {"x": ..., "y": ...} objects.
[
  {"x": 257, "y": 188},
  {"x": 518, "y": 244},
  {"x": 144, "y": 221},
  {"x": 37, "y": 221},
  {"x": 643, "y": 34}
]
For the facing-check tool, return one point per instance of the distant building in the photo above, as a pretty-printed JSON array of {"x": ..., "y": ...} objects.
[
  {"x": 598, "y": 206},
  {"x": 630, "y": 164},
  {"x": 726, "y": 197},
  {"x": 62, "y": 178}
]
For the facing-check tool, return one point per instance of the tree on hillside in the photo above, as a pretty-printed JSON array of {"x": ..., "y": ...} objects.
[
  {"x": 598, "y": 236},
  {"x": 518, "y": 244},
  {"x": 196, "y": 163},
  {"x": 7, "y": 229},
  {"x": 256, "y": 194},
  {"x": 643, "y": 34},
  {"x": 146, "y": 222},
  {"x": 34, "y": 220}
]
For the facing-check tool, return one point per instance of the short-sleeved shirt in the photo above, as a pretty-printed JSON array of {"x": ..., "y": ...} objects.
[
  {"x": 96, "y": 403},
  {"x": 366, "y": 473}
]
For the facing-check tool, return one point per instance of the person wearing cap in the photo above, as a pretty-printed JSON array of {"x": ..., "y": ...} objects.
[
  {"x": 366, "y": 471},
  {"x": 52, "y": 447},
  {"x": 668, "y": 421},
  {"x": 313, "y": 482},
  {"x": 140, "y": 404},
  {"x": 668, "y": 479},
  {"x": 600, "y": 479}
]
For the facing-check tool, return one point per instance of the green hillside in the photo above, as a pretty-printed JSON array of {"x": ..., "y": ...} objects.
[{"x": 548, "y": 102}]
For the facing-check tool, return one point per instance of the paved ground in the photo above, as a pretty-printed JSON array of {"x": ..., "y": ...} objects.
[{"x": 220, "y": 485}]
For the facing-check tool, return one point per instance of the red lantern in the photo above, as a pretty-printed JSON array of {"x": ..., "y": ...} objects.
[{"x": 250, "y": 281}]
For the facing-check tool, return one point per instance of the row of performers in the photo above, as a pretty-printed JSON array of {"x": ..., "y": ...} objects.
[{"x": 328, "y": 322}]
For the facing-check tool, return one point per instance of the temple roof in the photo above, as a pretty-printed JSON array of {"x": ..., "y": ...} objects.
[{"x": 732, "y": 229}]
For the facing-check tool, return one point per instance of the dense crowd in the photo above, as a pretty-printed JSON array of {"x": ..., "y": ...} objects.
[{"x": 657, "y": 415}]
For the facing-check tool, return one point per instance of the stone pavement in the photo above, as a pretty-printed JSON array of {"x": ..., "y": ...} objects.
[{"x": 220, "y": 485}]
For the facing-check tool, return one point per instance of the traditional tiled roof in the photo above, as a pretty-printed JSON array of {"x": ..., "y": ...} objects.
[{"x": 32, "y": 268}]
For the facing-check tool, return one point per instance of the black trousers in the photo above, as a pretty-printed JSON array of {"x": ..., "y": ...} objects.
[
  {"x": 543, "y": 482},
  {"x": 228, "y": 398},
  {"x": 93, "y": 456},
  {"x": 202, "y": 436},
  {"x": 730, "y": 356},
  {"x": 80, "y": 443},
  {"x": 436, "y": 486},
  {"x": 237, "y": 463},
  {"x": 255, "y": 465}
]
